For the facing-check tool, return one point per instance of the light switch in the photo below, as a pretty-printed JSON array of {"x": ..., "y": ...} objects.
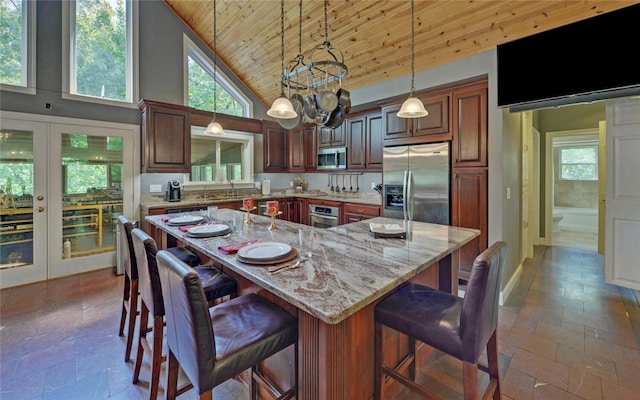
[
  {"x": 508, "y": 193},
  {"x": 155, "y": 188}
]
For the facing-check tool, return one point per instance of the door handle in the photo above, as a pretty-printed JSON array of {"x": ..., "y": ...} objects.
[
  {"x": 40, "y": 198},
  {"x": 40, "y": 209}
]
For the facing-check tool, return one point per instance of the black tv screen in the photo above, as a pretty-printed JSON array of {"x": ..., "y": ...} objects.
[{"x": 595, "y": 58}]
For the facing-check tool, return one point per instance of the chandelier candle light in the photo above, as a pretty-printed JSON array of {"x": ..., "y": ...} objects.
[
  {"x": 214, "y": 128},
  {"x": 412, "y": 107},
  {"x": 282, "y": 107}
]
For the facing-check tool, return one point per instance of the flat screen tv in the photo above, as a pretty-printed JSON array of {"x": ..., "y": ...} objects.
[{"x": 592, "y": 59}]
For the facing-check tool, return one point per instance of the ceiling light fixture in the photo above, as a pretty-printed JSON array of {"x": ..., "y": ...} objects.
[
  {"x": 282, "y": 107},
  {"x": 412, "y": 107},
  {"x": 214, "y": 128}
]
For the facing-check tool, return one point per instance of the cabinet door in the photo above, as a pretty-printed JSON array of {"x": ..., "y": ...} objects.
[
  {"x": 437, "y": 122},
  {"x": 469, "y": 144},
  {"x": 296, "y": 150},
  {"x": 356, "y": 142},
  {"x": 339, "y": 136},
  {"x": 469, "y": 210},
  {"x": 394, "y": 127},
  {"x": 331, "y": 137},
  {"x": 310, "y": 148},
  {"x": 166, "y": 139},
  {"x": 275, "y": 147},
  {"x": 374, "y": 142}
]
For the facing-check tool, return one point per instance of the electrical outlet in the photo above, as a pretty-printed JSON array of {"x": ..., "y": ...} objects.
[
  {"x": 155, "y": 188},
  {"x": 373, "y": 186},
  {"x": 508, "y": 193},
  {"x": 290, "y": 183}
]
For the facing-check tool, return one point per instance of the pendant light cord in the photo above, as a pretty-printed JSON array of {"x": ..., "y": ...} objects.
[
  {"x": 215, "y": 62},
  {"x": 412, "y": 52},
  {"x": 284, "y": 74}
]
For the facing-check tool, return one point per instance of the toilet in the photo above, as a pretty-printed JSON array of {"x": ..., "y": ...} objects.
[{"x": 557, "y": 217}]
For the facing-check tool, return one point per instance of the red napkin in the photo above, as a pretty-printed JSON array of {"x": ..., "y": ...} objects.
[
  {"x": 165, "y": 219},
  {"x": 233, "y": 248},
  {"x": 185, "y": 228}
]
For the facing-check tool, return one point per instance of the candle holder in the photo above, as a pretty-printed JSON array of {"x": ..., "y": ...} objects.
[
  {"x": 248, "y": 220},
  {"x": 273, "y": 216}
]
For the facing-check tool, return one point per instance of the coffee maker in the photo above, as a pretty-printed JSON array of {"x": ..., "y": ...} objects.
[{"x": 173, "y": 191}]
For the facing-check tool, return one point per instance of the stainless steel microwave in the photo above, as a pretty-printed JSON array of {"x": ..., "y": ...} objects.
[{"x": 332, "y": 158}]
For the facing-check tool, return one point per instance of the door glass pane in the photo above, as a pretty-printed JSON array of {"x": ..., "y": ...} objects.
[
  {"x": 16, "y": 198},
  {"x": 92, "y": 193}
]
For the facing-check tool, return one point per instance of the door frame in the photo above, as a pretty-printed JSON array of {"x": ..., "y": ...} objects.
[{"x": 51, "y": 255}]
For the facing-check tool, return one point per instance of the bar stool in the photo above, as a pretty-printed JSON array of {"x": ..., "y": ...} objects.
[
  {"x": 216, "y": 344},
  {"x": 217, "y": 285},
  {"x": 461, "y": 328},
  {"x": 130, "y": 296}
]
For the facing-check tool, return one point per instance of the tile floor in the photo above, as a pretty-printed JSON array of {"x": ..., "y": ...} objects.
[
  {"x": 576, "y": 239},
  {"x": 564, "y": 334}
]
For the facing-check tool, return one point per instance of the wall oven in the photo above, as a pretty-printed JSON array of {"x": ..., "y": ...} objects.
[{"x": 321, "y": 216}]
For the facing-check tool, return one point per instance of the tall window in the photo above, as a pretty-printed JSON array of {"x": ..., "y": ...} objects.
[
  {"x": 579, "y": 163},
  {"x": 100, "y": 49},
  {"x": 17, "y": 45},
  {"x": 199, "y": 87}
]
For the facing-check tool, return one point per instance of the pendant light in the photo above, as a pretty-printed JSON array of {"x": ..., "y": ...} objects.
[
  {"x": 282, "y": 107},
  {"x": 214, "y": 128},
  {"x": 412, "y": 107}
]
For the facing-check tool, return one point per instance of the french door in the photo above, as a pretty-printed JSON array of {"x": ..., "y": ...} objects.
[{"x": 65, "y": 182}]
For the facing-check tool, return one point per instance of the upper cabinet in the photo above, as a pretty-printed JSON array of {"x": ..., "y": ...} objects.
[
  {"x": 331, "y": 137},
  {"x": 166, "y": 137},
  {"x": 469, "y": 145},
  {"x": 275, "y": 143},
  {"x": 433, "y": 127},
  {"x": 364, "y": 142}
]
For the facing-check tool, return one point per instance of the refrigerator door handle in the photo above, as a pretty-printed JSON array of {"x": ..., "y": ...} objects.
[
  {"x": 405, "y": 190},
  {"x": 409, "y": 197}
]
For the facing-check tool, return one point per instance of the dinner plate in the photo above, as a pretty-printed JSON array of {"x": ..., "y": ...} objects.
[
  {"x": 186, "y": 220},
  {"x": 208, "y": 230},
  {"x": 264, "y": 251},
  {"x": 293, "y": 254}
]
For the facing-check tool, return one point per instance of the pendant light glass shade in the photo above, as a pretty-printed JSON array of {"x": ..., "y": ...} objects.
[
  {"x": 412, "y": 108},
  {"x": 214, "y": 128},
  {"x": 282, "y": 108}
]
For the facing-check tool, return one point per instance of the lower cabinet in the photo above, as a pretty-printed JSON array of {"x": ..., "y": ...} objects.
[
  {"x": 354, "y": 212},
  {"x": 469, "y": 210}
]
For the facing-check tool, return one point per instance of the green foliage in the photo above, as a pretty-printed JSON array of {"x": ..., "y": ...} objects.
[
  {"x": 201, "y": 90},
  {"x": 11, "y": 42},
  {"x": 101, "y": 48},
  {"x": 579, "y": 163},
  {"x": 16, "y": 177}
]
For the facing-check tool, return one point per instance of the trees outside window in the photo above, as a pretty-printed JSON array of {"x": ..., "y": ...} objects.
[
  {"x": 579, "y": 163},
  {"x": 17, "y": 45}
]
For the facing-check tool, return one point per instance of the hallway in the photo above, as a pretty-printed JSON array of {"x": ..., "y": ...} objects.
[{"x": 564, "y": 335}]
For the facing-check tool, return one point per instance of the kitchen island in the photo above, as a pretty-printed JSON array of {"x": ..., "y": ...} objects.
[{"x": 333, "y": 294}]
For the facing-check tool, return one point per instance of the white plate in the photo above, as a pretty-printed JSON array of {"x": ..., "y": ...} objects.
[
  {"x": 208, "y": 230},
  {"x": 186, "y": 220},
  {"x": 264, "y": 251}
]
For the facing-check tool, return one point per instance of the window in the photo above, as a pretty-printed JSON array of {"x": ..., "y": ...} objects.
[
  {"x": 17, "y": 45},
  {"x": 579, "y": 163},
  {"x": 199, "y": 85},
  {"x": 98, "y": 61},
  {"x": 219, "y": 159}
]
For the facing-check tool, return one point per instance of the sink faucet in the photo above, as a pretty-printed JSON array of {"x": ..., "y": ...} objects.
[{"x": 231, "y": 193}]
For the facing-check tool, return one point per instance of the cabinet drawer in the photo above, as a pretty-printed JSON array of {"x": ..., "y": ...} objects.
[{"x": 362, "y": 209}]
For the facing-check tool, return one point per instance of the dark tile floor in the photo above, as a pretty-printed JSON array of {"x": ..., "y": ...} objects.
[{"x": 564, "y": 334}]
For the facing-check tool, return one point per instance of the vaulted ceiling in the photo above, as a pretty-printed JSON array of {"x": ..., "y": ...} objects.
[{"x": 373, "y": 35}]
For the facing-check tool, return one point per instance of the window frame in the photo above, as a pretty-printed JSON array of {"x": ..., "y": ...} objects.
[
  {"x": 68, "y": 54},
  {"x": 578, "y": 145},
  {"x": 28, "y": 62},
  {"x": 192, "y": 50}
]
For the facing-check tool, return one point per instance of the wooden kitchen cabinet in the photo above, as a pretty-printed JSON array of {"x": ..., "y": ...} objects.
[
  {"x": 331, "y": 137},
  {"x": 294, "y": 210},
  {"x": 275, "y": 146},
  {"x": 354, "y": 212},
  {"x": 469, "y": 210},
  {"x": 469, "y": 144},
  {"x": 310, "y": 148},
  {"x": 302, "y": 149},
  {"x": 364, "y": 142},
  {"x": 166, "y": 137},
  {"x": 432, "y": 128}
]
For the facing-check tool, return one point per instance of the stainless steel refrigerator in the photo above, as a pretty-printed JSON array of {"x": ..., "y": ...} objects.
[{"x": 416, "y": 182}]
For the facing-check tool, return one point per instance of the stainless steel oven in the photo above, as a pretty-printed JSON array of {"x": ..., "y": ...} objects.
[{"x": 321, "y": 216}]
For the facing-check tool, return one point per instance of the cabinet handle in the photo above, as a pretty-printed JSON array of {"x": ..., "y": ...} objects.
[{"x": 40, "y": 209}]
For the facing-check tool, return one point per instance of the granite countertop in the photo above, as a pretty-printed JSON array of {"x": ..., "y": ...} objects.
[
  {"x": 349, "y": 269},
  {"x": 370, "y": 198}
]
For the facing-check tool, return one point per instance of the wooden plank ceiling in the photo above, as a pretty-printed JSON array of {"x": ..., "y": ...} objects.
[{"x": 373, "y": 35}]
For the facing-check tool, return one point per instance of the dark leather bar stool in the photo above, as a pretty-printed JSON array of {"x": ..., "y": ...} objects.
[
  {"x": 217, "y": 284},
  {"x": 216, "y": 344},
  {"x": 130, "y": 296},
  {"x": 461, "y": 328}
]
